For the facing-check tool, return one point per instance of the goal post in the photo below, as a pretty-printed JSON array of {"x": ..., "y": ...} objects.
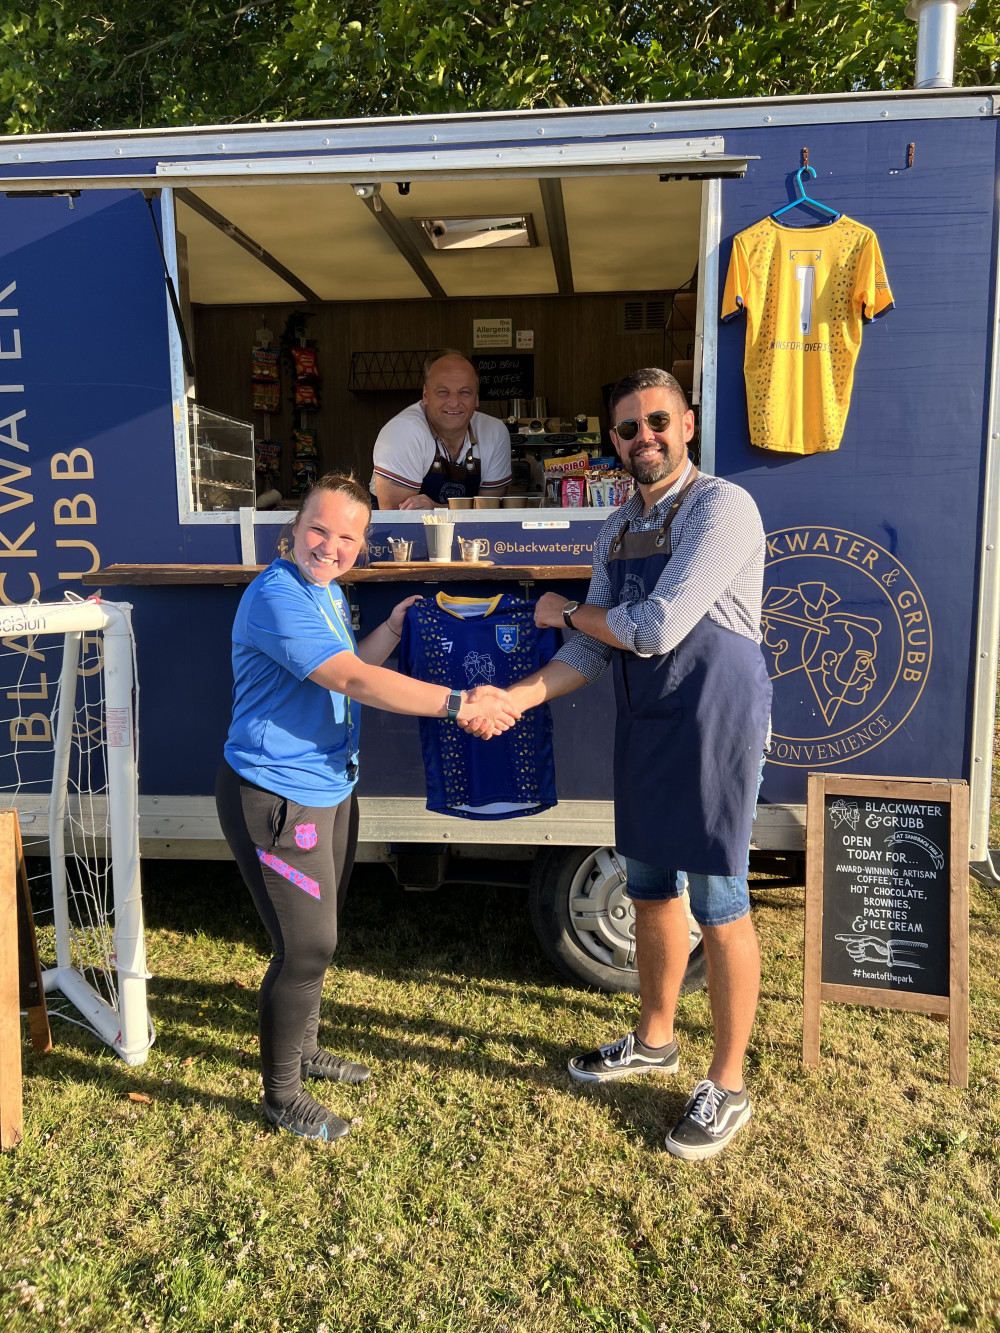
[{"x": 93, "y": 821}]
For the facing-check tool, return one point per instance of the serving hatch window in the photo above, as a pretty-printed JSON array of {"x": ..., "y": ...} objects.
[{"x": 594, "y": 282}]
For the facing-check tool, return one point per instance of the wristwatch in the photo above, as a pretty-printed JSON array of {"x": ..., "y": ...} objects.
[
  {"x": 567, "y": 613},
  {"x": 453, "y": 704}
]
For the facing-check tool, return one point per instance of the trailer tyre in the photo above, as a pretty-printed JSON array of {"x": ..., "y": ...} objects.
[{"x": 585, "y": 921}]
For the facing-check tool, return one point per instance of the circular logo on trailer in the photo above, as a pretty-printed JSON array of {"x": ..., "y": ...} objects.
[{"x": 847, "y": 641}]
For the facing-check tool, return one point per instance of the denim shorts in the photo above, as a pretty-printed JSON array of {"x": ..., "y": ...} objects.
[{"x": 716, "y": 900}]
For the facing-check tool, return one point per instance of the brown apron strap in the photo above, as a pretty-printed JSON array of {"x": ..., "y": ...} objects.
[
  {"x": 679, "y": 498},
  {"x": 456, "y": 471}
]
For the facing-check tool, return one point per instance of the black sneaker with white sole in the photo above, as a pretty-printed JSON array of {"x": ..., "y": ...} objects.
[
  {"x": 623, "y": 1058},
  {"x": 333, "y": 1068},
  {"x": 305, "y": 1116},
  {"x": 712, "y": 1116}
]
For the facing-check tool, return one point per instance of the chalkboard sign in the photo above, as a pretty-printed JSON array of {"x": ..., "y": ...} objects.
[
  {"x": 886, "y": 900},
  {"x": 505, "y": 375},
  {"x": 886, "y": 892}
]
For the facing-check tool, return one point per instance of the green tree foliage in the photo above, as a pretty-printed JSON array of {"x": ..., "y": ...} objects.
[{"x": 69, "y": 65}]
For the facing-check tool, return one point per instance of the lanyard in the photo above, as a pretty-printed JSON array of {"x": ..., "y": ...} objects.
[{"x": 352, "y": 752}]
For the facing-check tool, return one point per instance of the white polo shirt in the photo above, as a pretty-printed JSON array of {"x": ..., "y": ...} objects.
[{"x": 405, "y": 449}]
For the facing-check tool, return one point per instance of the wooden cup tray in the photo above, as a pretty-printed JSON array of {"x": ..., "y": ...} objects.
[{"x": 428, "y": 564}]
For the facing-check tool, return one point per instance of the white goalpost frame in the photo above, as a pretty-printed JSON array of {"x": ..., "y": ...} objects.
[{"x": 127, "y": 1030}]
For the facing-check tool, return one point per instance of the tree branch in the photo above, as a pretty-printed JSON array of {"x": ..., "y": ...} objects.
[{"x": 165, "y": 41}]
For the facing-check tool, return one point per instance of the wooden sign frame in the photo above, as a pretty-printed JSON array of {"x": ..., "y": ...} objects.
[
  {"x": 20, "y": 979},
  {"x": 953, "y": 1007}
]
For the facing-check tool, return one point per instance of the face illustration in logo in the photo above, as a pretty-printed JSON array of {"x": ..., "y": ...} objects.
[
  {"x": 844, "y": 812},
  {"x": 633, "y": 590},
  {"x": 306, "y": 836},
  {"x": 836, "y": 649},
  {"x": 479, "y": 668},
  {"x": 507, "y": 637},
  {"x": 848, "y": 643}
]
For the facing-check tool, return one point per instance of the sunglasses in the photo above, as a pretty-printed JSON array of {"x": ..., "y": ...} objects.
[{"x": 629, "y": 428}]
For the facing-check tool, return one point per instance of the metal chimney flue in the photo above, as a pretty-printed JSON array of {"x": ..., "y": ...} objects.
[{"x": 936, "y": 22}]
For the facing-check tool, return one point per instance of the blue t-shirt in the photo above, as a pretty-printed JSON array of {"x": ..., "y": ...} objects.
[
  {"x": 463, "y": 642},
  {"x": 288, "y": 734}
]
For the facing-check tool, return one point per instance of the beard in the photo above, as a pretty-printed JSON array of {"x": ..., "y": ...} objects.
[{"x": 650, "y": 471}]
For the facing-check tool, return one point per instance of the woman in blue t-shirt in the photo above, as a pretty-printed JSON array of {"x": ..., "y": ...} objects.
[{"x": 285, "y": 791}]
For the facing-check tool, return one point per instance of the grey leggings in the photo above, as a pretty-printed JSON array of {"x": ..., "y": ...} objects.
[{"x": 296, "y": 861}]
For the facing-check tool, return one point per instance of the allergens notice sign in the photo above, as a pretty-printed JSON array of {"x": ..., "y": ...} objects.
[
  {"x": 887, "y": 902},
  {"x": 492, "y": 332}
]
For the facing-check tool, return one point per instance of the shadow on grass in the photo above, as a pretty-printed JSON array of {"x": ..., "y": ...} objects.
[
  {"x": 460, "y": 938},
  {"x": 375, "y": 1033},
  {"x": 461, "y": 934},
  {"x": 644, "y": 1109}
]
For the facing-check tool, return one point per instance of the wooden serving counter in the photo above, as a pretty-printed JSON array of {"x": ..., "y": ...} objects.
[{"x": 149, "y": 576}]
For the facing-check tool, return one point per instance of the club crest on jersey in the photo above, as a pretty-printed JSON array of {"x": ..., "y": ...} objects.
[
  {"x": 507, "y": 637},
  {"x": 306, "y": 836}
]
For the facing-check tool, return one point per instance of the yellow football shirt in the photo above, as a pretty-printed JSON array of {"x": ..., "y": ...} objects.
[{"x": 807, "y": 292}]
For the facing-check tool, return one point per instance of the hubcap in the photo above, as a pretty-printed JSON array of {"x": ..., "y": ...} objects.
[{"x": 602, "y": 914}]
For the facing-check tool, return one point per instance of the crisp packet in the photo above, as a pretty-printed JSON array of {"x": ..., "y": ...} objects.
[
  {"x": 306, "y": 395},
  {"x": 265, "y": 396},
  {"x": 305, "y": 443},
  {"x": 306, "y": 364},
  {"x": 268, "y": 454},
  {"x": 264, "y": 363}
]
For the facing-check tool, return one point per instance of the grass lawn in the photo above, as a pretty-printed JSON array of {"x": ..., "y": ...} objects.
[{"x": 481, "y": 1189}]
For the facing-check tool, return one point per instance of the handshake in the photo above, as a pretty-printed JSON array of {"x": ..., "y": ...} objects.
[{"x": 487, "y": 711}]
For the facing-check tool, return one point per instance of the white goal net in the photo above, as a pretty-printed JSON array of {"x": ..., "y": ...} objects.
[{"x": 68, "y": 743}]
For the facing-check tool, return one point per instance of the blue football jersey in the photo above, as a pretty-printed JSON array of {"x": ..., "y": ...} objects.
[{"x": 463, "y": 642}]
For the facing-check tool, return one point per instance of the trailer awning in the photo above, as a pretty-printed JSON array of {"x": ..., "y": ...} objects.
[
  {"x": 704, "y": 158},
  {"x": 347, "y": 226}
]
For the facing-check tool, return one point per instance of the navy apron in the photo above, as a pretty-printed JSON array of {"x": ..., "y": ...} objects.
[
  {"x": 690, "y": 732},
  {"x": 445, "y": 478}
]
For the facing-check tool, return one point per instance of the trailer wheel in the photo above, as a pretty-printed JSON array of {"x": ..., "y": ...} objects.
[{"x": 585, "y": 922}]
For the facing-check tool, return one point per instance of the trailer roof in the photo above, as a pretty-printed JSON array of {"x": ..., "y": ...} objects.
[
  {"x": 316, "y": 239},
  {"x": 718, "y": 112}
]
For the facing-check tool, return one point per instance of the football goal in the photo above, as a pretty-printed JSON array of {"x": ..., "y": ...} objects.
[{"x": 68, "y": 744}]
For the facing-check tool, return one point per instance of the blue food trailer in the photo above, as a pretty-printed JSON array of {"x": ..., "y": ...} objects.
[{"x": 139, "y": 269}]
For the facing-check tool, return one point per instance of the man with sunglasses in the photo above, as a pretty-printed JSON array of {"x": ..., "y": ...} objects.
[{"x": 674, "y": 606}]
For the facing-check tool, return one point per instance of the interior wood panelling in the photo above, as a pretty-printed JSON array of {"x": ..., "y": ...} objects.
[{"x": 577, "y": 350}]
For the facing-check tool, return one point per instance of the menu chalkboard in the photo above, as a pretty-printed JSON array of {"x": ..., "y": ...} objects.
[
  {"x": 505, "y": 375},
  {"x": 887, "y": 902},
  {"x": 886, "y": 887}
]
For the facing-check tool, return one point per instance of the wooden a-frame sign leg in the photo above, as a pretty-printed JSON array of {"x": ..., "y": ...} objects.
[{"x": 20, "y": 979}]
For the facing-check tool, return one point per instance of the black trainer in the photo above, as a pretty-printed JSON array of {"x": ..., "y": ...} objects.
[
  {"x": 712, "y": 1116},
  {"x": 623, "y": 1058},
  {"x": 325, "y": 1065},
  {"x": 304, "y": 1116}
]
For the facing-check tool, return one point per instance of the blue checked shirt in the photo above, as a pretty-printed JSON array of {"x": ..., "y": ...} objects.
[{"x": 717, "y": 569}]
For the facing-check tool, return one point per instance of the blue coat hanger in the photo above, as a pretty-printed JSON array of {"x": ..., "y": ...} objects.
[{"x": 804, "y": 198}]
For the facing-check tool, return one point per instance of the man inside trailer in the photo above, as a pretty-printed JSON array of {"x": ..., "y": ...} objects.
[
  {"x": 674, "y": 606},
  {"x": 442, "y": 446}
]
